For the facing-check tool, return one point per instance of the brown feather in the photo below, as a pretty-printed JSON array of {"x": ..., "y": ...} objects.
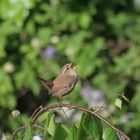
[
  {"x": 63, "y": 83},
  {"x": 47, "y": 84}
]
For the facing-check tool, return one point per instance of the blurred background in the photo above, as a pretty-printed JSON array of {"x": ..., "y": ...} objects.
[{"x": 38, "y": 37}]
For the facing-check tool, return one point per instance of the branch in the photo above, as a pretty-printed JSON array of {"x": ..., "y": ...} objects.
[
  {"x": 23, "y": 127},
  {"x": 40, "y": 110},
  {"x": 48, "y": 108}
]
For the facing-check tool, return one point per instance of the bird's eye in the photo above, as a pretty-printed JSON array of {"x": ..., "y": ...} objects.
[{"x": 67, "y": 68}]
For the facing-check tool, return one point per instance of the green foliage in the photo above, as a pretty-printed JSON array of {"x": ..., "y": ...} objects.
[
  {"x": 110, "y": 134},
  {"x": 118, "y": 103},
  {"x": 60, "y": 132},
  {"x": 50, "y": 125},
  {"x": 29, "y": 132},
  {"x": 72, "y": 133},
  {"x": 89, "y": 127},
  {"x": 38, "y": 37}
]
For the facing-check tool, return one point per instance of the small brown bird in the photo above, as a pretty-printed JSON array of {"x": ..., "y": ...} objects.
[{"x": 64, "y": 83}]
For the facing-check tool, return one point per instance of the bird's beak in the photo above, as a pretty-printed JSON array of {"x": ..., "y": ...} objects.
[{"x": 74, "y": 67}]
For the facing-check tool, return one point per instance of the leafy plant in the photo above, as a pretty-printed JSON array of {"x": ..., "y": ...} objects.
[
  {"x": 38, "y": 37},
  {"x": 89, "y": 126}
]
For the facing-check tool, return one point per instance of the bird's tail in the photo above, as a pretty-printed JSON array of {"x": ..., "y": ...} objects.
[{"x": 47, "y": 84}]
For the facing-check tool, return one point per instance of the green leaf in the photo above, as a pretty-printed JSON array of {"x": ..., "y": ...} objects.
[
  {"x": 118, "y": 103},
  {"x": 86, "y": 56},
  {"x": 72, "y": 133},
  {"x": 29, "y": 133},
  {"x": 81, "y": 133},
  {"x": 84, "y": 20},
  {"x": 90, "y": 127},
  {"x": 2, "y": 47},
  {"x": 134, "y": 122},
  {"x": 49, "y": 122},
  {"x": 93, "y": 126},
  {"x": 60, "y": 133},
  {"x": 110, "y": 134}
]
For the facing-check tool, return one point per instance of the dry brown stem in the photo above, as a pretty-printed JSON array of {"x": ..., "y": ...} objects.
[{"x": 49, "y": 108}]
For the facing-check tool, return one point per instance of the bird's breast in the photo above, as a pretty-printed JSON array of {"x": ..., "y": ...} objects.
[{"x": 73, "y": 73}]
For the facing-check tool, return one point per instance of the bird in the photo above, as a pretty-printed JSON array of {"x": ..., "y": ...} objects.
[{"x": 64, "y": 83}]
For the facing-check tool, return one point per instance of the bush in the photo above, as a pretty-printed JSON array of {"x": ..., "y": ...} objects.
[{"x": 39, "y": 37}]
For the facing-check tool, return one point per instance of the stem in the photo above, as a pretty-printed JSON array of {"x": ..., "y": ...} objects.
[
  {"x": 24, "y": 127},
  {"x": 39, "y": 111},
  {"x": 48, "y": 108}
]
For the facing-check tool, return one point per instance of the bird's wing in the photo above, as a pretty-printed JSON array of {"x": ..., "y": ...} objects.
[
  {"x": 58, "y": 87},
  {"x": 61, "y": 90},
  {"x": 63, "y": 79},
  {"x": 60, "y": 84}
]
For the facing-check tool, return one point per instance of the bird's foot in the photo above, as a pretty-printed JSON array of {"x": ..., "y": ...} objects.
[
  {"x": 59, "y": 106},
  {"x": 69, "y": 107}
]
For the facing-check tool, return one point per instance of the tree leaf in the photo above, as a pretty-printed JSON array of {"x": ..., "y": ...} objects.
[
  {"x": 29, "y": 132},
  {"x": 49, "y": 122},
  {"x": 110, "y": 134},
  {"x": 93, "y": 126},
  {"x": 60, "y": 133},
  {"x": 81, "y": 133},
  {"x": 72, "y": 133},
  {"x": 90, "y": 127},
  {"x": 118, "y": 103}
]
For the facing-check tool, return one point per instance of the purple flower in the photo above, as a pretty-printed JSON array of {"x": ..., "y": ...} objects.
[
  {"x": 49, "y": 52},
  {"x": 92, "y": 96},
  {"x": 126, "y": 117}
]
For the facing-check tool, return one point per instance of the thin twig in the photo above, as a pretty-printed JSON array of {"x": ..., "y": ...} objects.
[
  {"x": 98, "y": 108},
  {"x": 23, "y": 127},
  {"x": 104, "y": 108},
  {"x": 34, "y": 113},
  {"x": 66, "y": 115},
  {"x": 63, "y": 111}
]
